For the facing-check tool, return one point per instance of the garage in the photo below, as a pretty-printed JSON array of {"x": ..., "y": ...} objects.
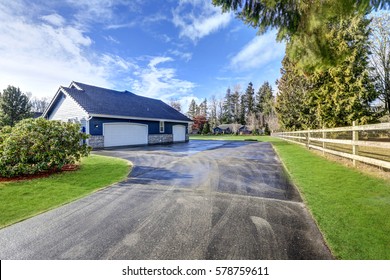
[
  {"x": 179, "y": 133},
  {"x": 125, "y": 134}
]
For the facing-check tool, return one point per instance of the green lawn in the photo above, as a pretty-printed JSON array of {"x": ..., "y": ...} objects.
[
  {"x": 24, "y": 199},
  {"x": 352, "y": 209}
]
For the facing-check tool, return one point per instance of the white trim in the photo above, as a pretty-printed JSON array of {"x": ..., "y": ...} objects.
[
  {"x": 73, "y": 83},
  {"x": 135, "y": 118},
  {"x": 87, "y": 129},
  {"x": 163, "y": 126},
  {"x": 51, "y": 102},
  {"x": 61, "y": 89}
]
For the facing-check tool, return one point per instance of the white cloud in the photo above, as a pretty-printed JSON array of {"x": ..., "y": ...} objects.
[
  {"x": 121, "y": 25},
  {"x": 40, "y": 51},
  {"x": 111, "y": 39},
  {"x": 160, "y": 82},
  {"x": 54, "y": 19},
  {"x": 186, "y": 56},
  {"x": 259, "y": 52},
  {"x": 201, "y": 20},
  {"x": 39, "y": 56},
  {"x": 104, "y": 11}
]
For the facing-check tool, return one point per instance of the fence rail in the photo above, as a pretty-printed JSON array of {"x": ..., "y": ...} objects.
[{"x": 364, "y": 143}]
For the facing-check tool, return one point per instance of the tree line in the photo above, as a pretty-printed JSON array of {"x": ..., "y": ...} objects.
[
  {"x": 255, "y": 110},
  {"x": 337, "y": 59},
  {"x": 16, "y": 106}
]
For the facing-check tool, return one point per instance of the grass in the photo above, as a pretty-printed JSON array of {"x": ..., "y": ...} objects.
[
  {"x": 23, "y": 199},
  {"x": 352, "y": 209}
]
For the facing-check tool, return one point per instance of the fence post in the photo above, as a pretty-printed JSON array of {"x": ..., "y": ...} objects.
[
  {"x": 323, "y": 141},
  {"x": 308, "y": 139},
  {"x": 355, "y": 137}
]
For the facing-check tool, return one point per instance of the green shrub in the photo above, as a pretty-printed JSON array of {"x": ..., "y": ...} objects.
[{"x": 35, "y": 145}]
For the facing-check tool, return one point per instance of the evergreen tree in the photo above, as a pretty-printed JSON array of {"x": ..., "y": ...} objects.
[
  {"x": 243, "y": 110},
  {"x": 264, "y": 102},
  {"x": 228, "y": 108},
  {"x": 203, "y": 108},
  {"x": 343, "y": 93},
  {"x": 250, "y": 98},
  {"x": 14, "y": 106},
  {"x": 291, "y": 102},
  {"x": 264, "y": 99},
  {"x": 302, "y": 24},
  {"x": 235, "y": 102},
  {"x": 206, "y": 128},
  {"x": 192, "y": 109}
]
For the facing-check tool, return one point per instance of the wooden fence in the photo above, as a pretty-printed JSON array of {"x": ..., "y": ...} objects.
[{"x": 365, "y": 143}]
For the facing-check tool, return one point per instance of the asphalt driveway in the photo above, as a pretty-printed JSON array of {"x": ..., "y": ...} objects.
[{"x": 196, "y": 200}]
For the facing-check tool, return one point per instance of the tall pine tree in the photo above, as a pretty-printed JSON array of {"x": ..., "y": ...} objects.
[
  {"x": 291, "y": 102},
  {"x": 250, "y": 98},
  {"x": 14, "y": 106},
  {"x": 192, "y": 109},
  {"x": 228, "y": 108},
  {"x": 343, "y": 93},
  {"x": 242, "y": 110}
]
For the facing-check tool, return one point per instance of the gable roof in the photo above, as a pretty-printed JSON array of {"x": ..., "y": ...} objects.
[{"x": 97, "y": 101}]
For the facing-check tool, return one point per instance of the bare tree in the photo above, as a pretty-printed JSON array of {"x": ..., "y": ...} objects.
[
  {"x": 175, "y": 103},
  {"x": 235, "y": 127},
  {"x": 39, "y": 104},
  {"x": 380, "y": 58},
  {"x": 254, "y": 121},
  {"x": 213, "y": 120},
  {"x": 220, "y": 110}
]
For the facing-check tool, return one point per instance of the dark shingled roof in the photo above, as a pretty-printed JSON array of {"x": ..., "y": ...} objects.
[{"x": 101, "y": 101}]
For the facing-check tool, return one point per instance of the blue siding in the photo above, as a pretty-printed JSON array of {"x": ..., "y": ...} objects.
[{"x": 96, "y": 125}]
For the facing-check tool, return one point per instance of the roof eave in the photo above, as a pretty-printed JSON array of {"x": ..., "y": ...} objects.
[
  {"x": 63, "y": 90},
  {"x": 137, "y": 118}
]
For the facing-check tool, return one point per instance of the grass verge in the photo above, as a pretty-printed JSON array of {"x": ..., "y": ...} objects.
[
  {"x": 24, "y": 199},
  {"x": 352, "y": 209}
]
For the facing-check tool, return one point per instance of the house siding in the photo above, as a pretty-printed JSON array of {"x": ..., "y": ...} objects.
[
  {"x": 96, "y": 125},
  {"x": 66, "y": 109},
  {"x": 155, "y": 137}
]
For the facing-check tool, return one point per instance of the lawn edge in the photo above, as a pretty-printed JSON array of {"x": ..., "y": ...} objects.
[
  {"x": 304, "y": 201},
  {"x": 129, "y": 164}
]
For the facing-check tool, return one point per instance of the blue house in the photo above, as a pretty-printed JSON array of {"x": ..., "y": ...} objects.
[{"x": 117, "y": 118}]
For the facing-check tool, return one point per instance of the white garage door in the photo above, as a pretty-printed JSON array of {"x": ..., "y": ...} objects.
[
  {"x": 179, "y": 133},
  {"x": 123, "y": 134}
]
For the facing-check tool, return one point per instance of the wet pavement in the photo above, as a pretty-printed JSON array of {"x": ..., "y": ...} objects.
[{"x": 196, "y": 200}]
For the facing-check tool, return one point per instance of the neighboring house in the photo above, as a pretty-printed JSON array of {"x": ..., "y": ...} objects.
[
  {"x": 231, "y": 128},
  {"x": 223, "y": 129},
  {"x": 117, "y": 118}
]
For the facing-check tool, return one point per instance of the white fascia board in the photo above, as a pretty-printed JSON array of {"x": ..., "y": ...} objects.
[
  {"x": 75, "y": 85},
  {"x": 135, "y": 118},
  {"x": 81, "y": 107},
  {"x": 51, "y": 102},
  {"x": 61, "y": 89}
]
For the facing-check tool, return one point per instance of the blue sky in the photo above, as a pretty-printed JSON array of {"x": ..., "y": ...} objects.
[{"x": 160, "y": 49}]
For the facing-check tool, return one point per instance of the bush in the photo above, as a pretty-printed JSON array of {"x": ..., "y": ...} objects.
[
  {"x": 266, "y": 130},
  {"x": 35, "y": 145}
]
